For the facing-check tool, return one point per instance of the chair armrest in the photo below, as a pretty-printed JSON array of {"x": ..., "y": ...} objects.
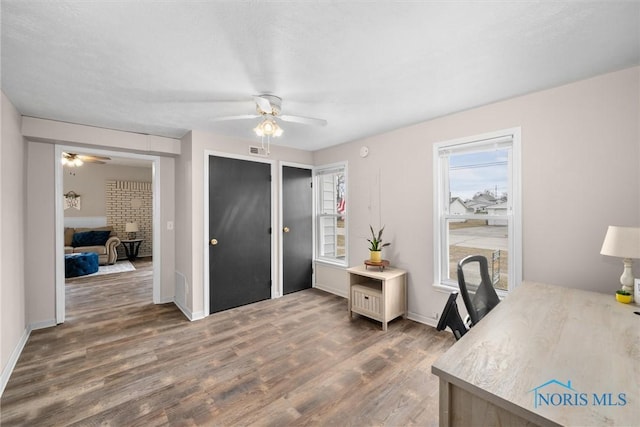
[
  {"x": 110, "y": 246},
  {"x": 112, "y": 242}
]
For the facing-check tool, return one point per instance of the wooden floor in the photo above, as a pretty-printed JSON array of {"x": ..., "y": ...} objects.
[{"x": 296, "y": 360}]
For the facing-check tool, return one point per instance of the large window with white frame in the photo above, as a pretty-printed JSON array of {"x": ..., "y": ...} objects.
[
  {"x": 477, "y": 207},
  {"x": 331, "y": 213}
]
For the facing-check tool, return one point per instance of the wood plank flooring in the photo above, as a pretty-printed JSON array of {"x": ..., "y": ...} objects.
[{"x": 297, "y": 360}]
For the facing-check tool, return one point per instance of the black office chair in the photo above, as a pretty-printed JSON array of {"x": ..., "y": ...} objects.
[
  {"x": 451, "y": 317},
  {"x": 476, "y": 287}
]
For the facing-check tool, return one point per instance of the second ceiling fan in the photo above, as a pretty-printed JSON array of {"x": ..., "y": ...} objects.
[{"x": 76, "y": 160}]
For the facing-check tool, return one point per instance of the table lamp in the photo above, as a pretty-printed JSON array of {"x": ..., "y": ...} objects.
[
  {"x": 131, "y": 228},
  {"x": 623, "y": 242}
]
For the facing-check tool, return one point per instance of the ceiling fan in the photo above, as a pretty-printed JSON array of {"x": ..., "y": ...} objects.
[
  {"x": 269, "y": 107},
  {"x": 75, "y": 160}
]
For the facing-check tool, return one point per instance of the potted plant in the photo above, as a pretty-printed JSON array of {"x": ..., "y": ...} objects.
[
  {"x": 623, "y": 296},
  {"x": 376, "y": 245}
]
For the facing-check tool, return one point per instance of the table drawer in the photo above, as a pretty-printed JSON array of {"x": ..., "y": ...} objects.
[{"x": 367, "y": 297}]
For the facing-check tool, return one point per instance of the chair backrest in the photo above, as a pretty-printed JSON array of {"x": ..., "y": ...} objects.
[
  {"x": 451, "y": 317},
  {"x": 476, "y": 287}
]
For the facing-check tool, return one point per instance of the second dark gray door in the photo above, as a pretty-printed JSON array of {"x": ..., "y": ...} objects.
[
  {"x": 240, "y": 232},
  {"x": 297, "y": 235}
]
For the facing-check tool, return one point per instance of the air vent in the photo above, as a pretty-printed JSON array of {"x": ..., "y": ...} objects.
[{"x": 257, "y": 151}]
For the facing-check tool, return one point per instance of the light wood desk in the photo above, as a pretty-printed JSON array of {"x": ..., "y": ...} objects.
[{"x": 528, "y": 349}]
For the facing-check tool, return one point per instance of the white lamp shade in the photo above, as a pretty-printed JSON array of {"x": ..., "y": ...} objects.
[
  {"x": 131, "y": 227},
  {"x": 622, "y": 242}
]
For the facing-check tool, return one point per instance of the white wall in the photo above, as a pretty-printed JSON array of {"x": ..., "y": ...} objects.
[
  {"x": 580, "y": 155},
  {"x": 191, "y": 175},
  {"x": 13, "y": 331},
  {"x": 166, "y": 246},
  {"x": 184, "y": 228},
  {"x": 40, "y": 235},
  {"x": 89, "y": 182}
]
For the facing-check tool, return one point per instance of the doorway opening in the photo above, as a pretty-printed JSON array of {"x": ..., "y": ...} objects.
[{"x": 95, "y": 217}]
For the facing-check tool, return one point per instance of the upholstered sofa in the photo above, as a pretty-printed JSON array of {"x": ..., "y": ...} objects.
[{"x": 101, "y": 240}]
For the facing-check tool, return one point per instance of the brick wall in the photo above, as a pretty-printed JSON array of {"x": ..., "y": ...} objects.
[{"x": 131, "y": 201}]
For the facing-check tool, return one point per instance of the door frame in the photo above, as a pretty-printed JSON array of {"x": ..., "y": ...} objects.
[
  {"x": 207, "y": 235},
  {"x": 59, "y": 220},
  {"x": 282, "y": 164}
]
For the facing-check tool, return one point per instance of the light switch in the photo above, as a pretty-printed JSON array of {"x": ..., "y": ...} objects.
[{"x": 169, "y": 225}]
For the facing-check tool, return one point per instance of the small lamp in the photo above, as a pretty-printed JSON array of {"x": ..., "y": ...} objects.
[
  {"x": 131, "y": 228},
  {"x": 623, "y": 242}
]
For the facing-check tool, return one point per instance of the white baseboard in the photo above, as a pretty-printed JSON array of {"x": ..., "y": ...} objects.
[
  {"x": 166, "y": 300},
  {"x": 13, "y": 359},
  {"x": 197, "y": 315},
  {"x": 41, "y": 325},
  {"x": 422, "y": 319},
  {"x": 15, "y": 355},
  {"x": 183, "y": 309},
  {"x": 331, "y": 290},
  {"x": 188, "y": 314}
]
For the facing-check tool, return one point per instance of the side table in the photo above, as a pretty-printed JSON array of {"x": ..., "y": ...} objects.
[
  {"x": 379, "y": 295},
  {"x": 131, "y": 248}
]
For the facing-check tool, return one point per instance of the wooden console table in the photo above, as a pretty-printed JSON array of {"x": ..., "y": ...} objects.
[
  {"x": 546, "y": 355},
  {"x": 379, "y": 295}
]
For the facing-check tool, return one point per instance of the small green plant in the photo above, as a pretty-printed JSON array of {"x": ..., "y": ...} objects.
[
  {"x": 376, "y": 240},
  {"x": 622, "y": 292}
]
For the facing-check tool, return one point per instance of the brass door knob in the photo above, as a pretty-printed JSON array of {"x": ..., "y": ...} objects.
[
  {"x": 286, "y": 229},
  {"x": 214, "y": 242}
]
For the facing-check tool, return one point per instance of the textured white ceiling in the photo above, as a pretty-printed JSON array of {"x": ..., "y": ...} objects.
[{"x": 166, "y": 67}]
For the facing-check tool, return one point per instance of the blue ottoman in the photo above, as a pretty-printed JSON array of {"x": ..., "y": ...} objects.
[{"x": 80, "y": 264}]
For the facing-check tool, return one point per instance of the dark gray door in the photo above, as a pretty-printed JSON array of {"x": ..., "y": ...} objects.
[
  {"x": 297, "y": 221},
  {"x": 239, "y": 227}
]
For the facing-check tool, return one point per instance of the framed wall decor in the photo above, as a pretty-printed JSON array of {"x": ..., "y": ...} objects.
[{"x": 71, "y": 200}]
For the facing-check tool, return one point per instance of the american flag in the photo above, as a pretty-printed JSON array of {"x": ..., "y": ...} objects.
[{"x": 341, "y": 206}]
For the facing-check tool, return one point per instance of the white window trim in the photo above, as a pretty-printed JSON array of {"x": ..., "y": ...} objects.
[
  {"x": 317, "y": 171},
  {"x": 515, "y": 197}
]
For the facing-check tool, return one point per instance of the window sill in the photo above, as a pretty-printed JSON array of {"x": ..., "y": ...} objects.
[
  {"x": 447, "y": 289},
  {"x": 337, "y": 264}
]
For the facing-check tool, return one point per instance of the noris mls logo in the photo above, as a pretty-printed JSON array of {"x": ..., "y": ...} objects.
[{"x": 557, "y": 393}]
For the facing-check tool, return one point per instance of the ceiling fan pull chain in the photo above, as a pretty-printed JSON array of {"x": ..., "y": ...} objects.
[{"x": 268, "y": 143}]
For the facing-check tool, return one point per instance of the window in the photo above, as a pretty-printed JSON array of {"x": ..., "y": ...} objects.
[
  {"x": 477, "y": 207},
  {"x": 331, "y": 213}
]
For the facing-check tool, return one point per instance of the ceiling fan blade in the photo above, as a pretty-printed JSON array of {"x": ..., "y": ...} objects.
[
  {"x": 88, "y": 158},
  {"x": 263, "y": 103},
  {"x": 244, "y": 116},
  {"x": 304, "y": 120},
  {"x": 98, "y": 162}
]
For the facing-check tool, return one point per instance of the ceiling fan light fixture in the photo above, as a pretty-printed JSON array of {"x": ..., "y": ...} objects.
[
  {"x": 71, "y": 161},
  {"x": 268, "y": 127}
]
